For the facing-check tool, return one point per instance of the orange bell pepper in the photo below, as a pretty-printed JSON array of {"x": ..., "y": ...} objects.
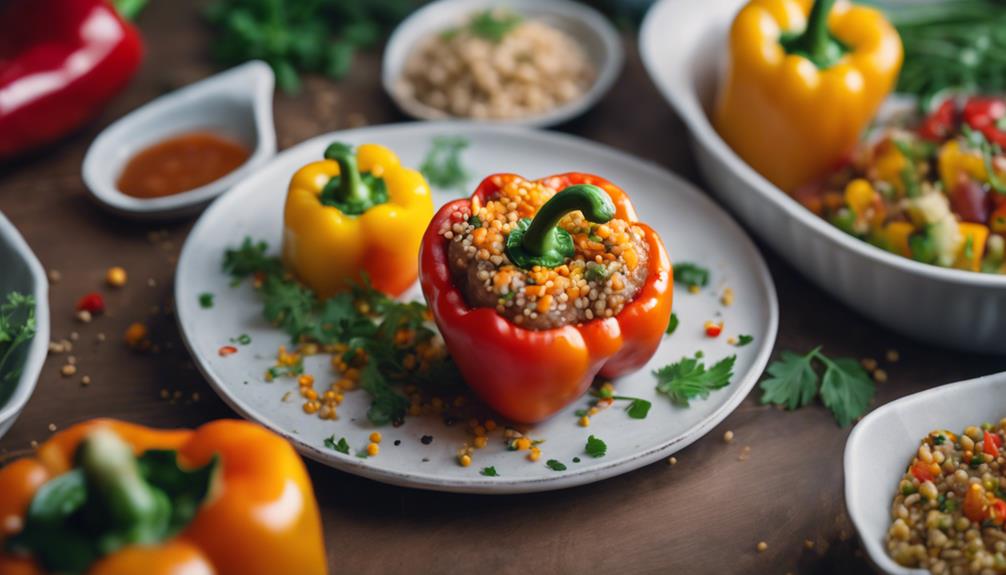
[
  {"x": 528, "y": 375},
  {"x": 236, "y": 499}
]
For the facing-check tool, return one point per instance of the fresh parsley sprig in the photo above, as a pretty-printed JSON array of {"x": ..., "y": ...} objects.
[
  {"x": 689, "y": 379},
  {"x": 793, "y": 382},
  {"x": 691, "y": 275},
  {"x": 17, "y": 328},
  {"x": 443, "y": 166}
]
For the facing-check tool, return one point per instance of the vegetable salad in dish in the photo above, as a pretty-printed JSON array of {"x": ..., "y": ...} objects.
[
  {"x": 932, "y": 190},
  {"x": 949, "y": 510}
]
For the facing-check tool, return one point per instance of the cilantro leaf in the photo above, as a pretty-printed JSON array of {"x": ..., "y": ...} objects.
[
  {"x": 386, "y": 405},
  {"x": 744, "y": 339},
  {"x": 672, "y": 324},
  {"x": 489, "y": 472},
  {"x": 443, "y": 166},
  {"x": 342, "y": 446},
  {"x": 555, "y": 465},
  {"x": 17, "y": 328},
  {"x": 595, "y": 447},
  {"x": 688, "y": 378},
  {"x": 691, "y": 274},
  {"x": 639, "y": 408},
  {"x": 793, "y": 382},
  {"x": 846, "y": 390}
]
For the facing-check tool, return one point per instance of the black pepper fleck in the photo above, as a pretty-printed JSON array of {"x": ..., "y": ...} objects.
[
  {"x": 398, "y": 442},
  {"x": 576, "y": 460},
  {"x": 427, "y": 439}
]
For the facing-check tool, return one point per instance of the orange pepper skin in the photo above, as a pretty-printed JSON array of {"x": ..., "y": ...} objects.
[
  {"x": 260, "y": 518},
  {"x": 529, "y": 375},
  {"x": 788, "y": 119}
]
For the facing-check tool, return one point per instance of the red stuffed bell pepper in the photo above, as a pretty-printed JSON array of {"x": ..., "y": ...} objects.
[
  {"x": 60, "y": 62},
  {"x": 532, "y": 310}
]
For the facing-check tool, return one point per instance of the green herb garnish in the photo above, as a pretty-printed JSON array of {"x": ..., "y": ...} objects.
[
  {"x": 443, "y": 166},
  {"x": 489, "y": 472},
  {"x": 744, "y": 339},
  {"x": 243, "y": 339},
  {"x": 17, "y": 328},
  {"x": 595, "y": 447},
  {"x": 206, "y": 300},
  {"x": 688, "y": 378},
  {"x": 793, "y": 382},
  {"x": 342, "y": 446},
  {"x": 672, "y": 324},
  {"x": 690, "y": 274},
  {"x": 595, "y": 272},
  {"x": 555, "y": 465},
  {"x": 493, "y": 25}
]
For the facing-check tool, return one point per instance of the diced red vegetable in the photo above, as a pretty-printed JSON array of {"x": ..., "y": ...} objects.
[
  {"x": 991, "y": 444},
  {"x": 998, "y": 509},
  {"x": 939, "y": 125},
  {"x": 983, "y": 114},
  {"x": 970, "y": 200},
  {"x": 92, "y": 302},
  {"x": 713, "y": 329},
  {"x": 922, "y": 471}
]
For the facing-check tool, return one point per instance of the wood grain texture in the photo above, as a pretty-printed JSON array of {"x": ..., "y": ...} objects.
[{"x": 704, "y": 515}]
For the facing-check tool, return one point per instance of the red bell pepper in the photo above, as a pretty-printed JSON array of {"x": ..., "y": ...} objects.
[
  {"x": 528, "y": 375},
  {"x": 940, "y": 124},
  {"x": 60, "y": 62},
  {"x": 987, "y": 114}
]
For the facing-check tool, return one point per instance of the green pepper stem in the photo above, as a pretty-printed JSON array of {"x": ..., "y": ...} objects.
[
  {"x": 351, "y": 188},
  {"x": 594, "y": 202},
  {"x": 816, "y": 43},
  {"x": 111, "y": 469}
]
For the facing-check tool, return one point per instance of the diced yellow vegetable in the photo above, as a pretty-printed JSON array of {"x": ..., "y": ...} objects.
[
  {"x": 955, "y": 162},
  {"x": 859, "y": 196},
  {"x": 896, "y": 234},
  {"x": 889, "y": 165},
  {"x": 975, "y": 236}
]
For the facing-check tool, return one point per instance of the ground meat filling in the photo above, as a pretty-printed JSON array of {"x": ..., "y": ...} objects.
[{"x": 606, "y": 272}]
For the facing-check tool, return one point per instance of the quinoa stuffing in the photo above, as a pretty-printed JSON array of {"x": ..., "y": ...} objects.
[
  {"x": 608, "y": 267},
  {"x": 948, "y": 514}
]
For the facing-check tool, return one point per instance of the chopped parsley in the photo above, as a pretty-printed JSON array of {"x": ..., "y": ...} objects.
[
  {"x": 475, "y": 221},
  {"x": 206, "y": 300},
  {"x": 672, "y": 324},
  {"x": 489, "y": 472},
  {"x": 17, "y": 328},
  {"x": 243, "y": 339},
  {"x": 555, "y": 465},
  {"x": 793, "y": 382},
  {"x": 744, "y": 339},
  {"x": 595, "y": 447},
  {"x": 689, "y": 379},
  {"x": 638, "y": 407},
  {"x": 361, "y": 318},
  {"x": 493, "y": 25},
  {"x": 443, "y": 167},
  {"x": 596, "y": 272},
  {"x": 690, "y": 274},
  {"x": 342, "y": 446}
]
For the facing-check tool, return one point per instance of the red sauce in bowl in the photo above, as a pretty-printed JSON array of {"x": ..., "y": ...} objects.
[{"x": 180, "y": 163}]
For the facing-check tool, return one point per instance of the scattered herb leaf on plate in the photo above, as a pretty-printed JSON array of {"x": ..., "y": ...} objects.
[
  {"x": 342, "y": 446},
  {"x": 489, "y": 472},
  {"x": 555, "y": 465},
  {"x": 595, "y": 447},
  {"x": 847, "y": 389},
  {"x": 688, "y": 378}
]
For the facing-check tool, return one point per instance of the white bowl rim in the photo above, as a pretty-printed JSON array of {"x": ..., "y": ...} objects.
[
  {"x": 685, "y": 103},
  {"x": 874, "y": 548},
  {"x": 607, "y": 72},
  {"x": 423, "y": 481},
  {"x": 39, "y": 347},
  {"x": 261, "y": 80}
]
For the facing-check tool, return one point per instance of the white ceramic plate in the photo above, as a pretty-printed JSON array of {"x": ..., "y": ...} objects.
[
  {"x": 682, "y": 44},
  {"x": 882, "y": 445},
  {"x": 236, "y": 103},
  {"x": 598, "y": 37},
  {"x": 693, "y": 228},
  {"x": 20, "y": 271}
]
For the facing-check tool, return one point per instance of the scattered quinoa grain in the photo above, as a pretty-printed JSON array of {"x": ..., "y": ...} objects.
[
  {"x": 86, "y": 380},
  {"x": 465, "y": 460},
  {"x": 869, "y": 364},
  {"x": 727, "y": 298},
  {"x": 880, "y": 376},
  {"x": 373, "y": 449},
  {"x": 55, "y": 276},
  {"x": 68, "y": 370},
  {"x": 115, "y": 277},
  {"x": 52, "y": 427},
  {"x": 584, "y": 421},
  {"x": 375, "y": 437},
  {"x": 892, "y": 356},
  {"x": 762, "y": 546},
  {"x": 672, "y": 461},
  {"x": 728, "y": 436},
  {"x": 84, "y": 316}
]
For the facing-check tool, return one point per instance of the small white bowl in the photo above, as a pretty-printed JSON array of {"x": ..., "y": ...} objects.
[
  {"x": 236, "y": 104},
  {"x": 20, "y": 271},
  {"x": 882, "y": 445},
  {"x": 598, "y": 37},
  {"x": 683, "y": 45}
]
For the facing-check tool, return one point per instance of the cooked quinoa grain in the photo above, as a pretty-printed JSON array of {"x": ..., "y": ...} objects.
[
  {"x": 949, "y": 510},
  {"x": 606, "y": 272},
  {"x": 521, "y": 68}
]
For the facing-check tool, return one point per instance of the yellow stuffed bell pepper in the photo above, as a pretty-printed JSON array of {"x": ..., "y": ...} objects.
[
  {"x": 803, "y": 81},
  {"x": 349, "y": 215},
  {"x": 107, "y": 497}
]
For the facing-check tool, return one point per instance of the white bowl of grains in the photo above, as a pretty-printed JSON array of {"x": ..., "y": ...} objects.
[{"x": 528, "y": 62}]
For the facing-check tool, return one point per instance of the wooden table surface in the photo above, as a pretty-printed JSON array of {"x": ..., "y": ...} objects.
[{"x": 704, "y": 515}]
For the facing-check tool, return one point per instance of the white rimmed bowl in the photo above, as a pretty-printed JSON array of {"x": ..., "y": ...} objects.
[
  {"x": 236, "y": 104},
  {"x": 20, "y": 271},
  {"x": 881, "y": 446},
  {"x": 595, "y": 34},
  {"x": 682, "y": 44}
]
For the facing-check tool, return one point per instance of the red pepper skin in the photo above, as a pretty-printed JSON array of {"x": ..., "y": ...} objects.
[
  {"x": 529, "y": 375},
  {"x": 921, "y": 471},
  {"x": 92, "y": 302},
  {"x": 991, "y": 444},
  {"x": 60, "y": 62}
]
